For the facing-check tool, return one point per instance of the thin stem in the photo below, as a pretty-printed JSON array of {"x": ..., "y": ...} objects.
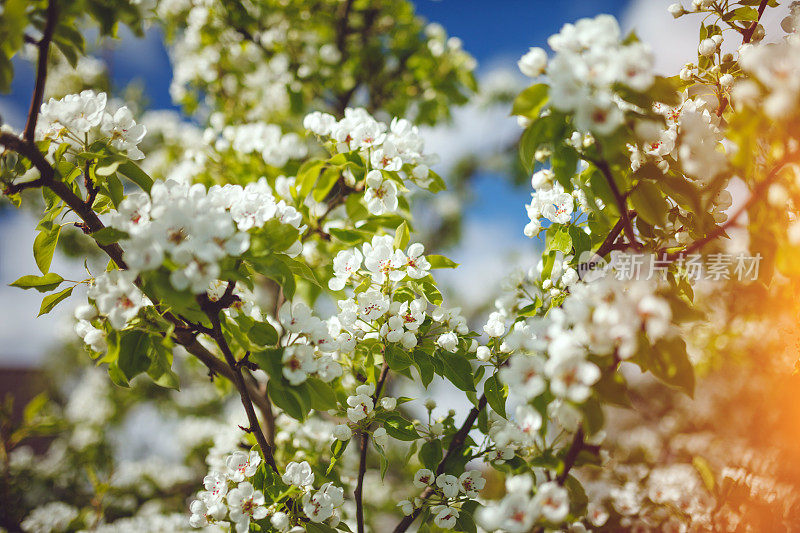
[
  {"x": 455, "y": 445},
  {"x": 362, "y": 462},
  {"x": 41, "y": 69}
]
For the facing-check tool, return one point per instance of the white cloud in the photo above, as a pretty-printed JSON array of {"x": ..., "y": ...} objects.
[
  {"x": 675, "y": 41},
  {"x": 11, "y": 114}
]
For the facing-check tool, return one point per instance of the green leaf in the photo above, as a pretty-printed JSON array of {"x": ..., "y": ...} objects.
[
  {"x": 133, "y": 356},
  {"x": 649, "y": 203},
  {"x": 424, "y": 364},
  {"x": 274, "y": 267},
  {"x": 495, "y": 394},
  {"x": 399, "y": 428},
  {"x": 560, "y": 241},
  {"x": 430, "y": 454},
  {"x": 564, "y": 162},
  {"x": 580, "y": 240},
  {"x": 351, "y": 236},
  {"x": 671, "y": 364},
  {"x": 458, "y": 370},
  {"x": 108, "y": 167},
  {"x": 326, "y": 183},
  {"x": 440, "y": 261},
  {"x": 263, "y": 334},
  {"x": 45, "y": 283},
  {"x": 663, "y": 90},
  {"x": 401, "y": 236},
  {"x": 50, "y": 301},
  {"x": 530, "y": 101},
  {"x": 109, "y": 235},
  {"x": 312, "y": 527},
  {"x": 323, "y": 396},
  {"x": 44, "y": 246},
  {"x": 132, "y": 171},
  {"x": 286, "y": 398},
  {"x": 706, "y": 474},
  {"x": 397, "y": 358}
]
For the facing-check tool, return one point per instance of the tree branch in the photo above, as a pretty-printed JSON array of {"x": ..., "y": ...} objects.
[
  {"x": 757, "y": 192},
  {"x": 183, "y": 335},
  {"x": 747, "y": 35},
  {"x": 455, "y": 445},
  {"x": 362, "y": 462},
  {"x": 238, "y": 381},
  {"x": 572, "y": 455},
  {"x": 41, "y": 69},
  {"x": 622, "y": 205}
]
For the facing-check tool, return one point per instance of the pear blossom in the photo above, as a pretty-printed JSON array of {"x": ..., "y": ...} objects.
[
  {"x": 533, "y": 63},
  {"x": 553, "y": 501},
  {"x": 345, "y": 264},
  {"x": 298, "y": 362},
  {"x": 406, "y": 507},
  {"x": 471, "y": 483},
  {"x": 417, "y": 266},
  {"x": 245, "y": 503},
  {"x": 342, "y": 432},
  {"x": 298, "y": 474},
  {"x": 116, "y": 297},
  {"x": 206, "y": 512},
  {"x": 381, "y": 194},
  {"x": 242, "y": 465},
  {"x": 361, "y": 406},
  {"x": 388, "y": 403},
  {"x": 448, "y": 341},
  {"x": 572, "y": 377},
  {"x": 216, "y": 485},
  {"x": 444, "y": 517},
  {"x": 372, "y": 305},
  {"x": 380, "y": 437},
  {"x": 423, "y": 477},
  {"x": 124, "y": 132},
  {"x": 448, "y": 484},
  {"x": 321, "y": 505},
  {"x": 524, "y": 375}
]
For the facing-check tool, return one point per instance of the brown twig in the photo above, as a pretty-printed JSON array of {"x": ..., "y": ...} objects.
[
  {"x": 241, "y": 386},
  {"x": 747, "y": 34},
  {"x": 758, "y": 191},
  {"x": 622, "y": 206},
  {"x": 362, "y": 462},
  {"x": 455, "y": 445},
  {"x": 572, "y": 455},
  {"x": 41, "y": 69}
]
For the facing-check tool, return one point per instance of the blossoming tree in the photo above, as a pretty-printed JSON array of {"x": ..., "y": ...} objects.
[{"x": 298, "y": 197}]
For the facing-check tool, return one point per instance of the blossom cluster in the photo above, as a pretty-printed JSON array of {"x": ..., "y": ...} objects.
[
  {"x": 275, "y": 148},
  {"x": 590, "y": 60},
  {"x": 73, "y": 117},
  {"x": 518, "y": 511},
  {"x": 311, "y": 344},
  {"x": 775, "y": 77},
  {"x": 375, "y": 270},
  {"x": 448, "y": 488},
  {"x": 196, "y": 228},
  {"x": 397, "y": 147},
  {"x": 229, "y": 493}
]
